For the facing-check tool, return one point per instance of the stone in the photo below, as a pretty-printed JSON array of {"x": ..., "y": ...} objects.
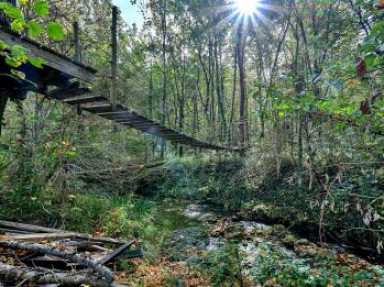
[
  {"x": 234, "y": 232},
  {"x": 308, "y": 250},
  {"x": 216, "y": 232},
  {"x": 278, "y": 229},
  {"x": 289, "y": 240},
  {"x": 235, "y": 218},
  {"x": 208, "y": 217},
  {"x": 302, "y": 241}
]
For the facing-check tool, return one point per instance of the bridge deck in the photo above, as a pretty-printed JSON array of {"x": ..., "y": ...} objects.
[
  {"x": 54, "y": 60},
  {"x": 102, "y": 107},
  {"x": 98, "y": 105}
]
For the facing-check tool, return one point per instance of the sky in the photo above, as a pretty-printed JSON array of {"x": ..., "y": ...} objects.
[{"x": 130, "y": 13}]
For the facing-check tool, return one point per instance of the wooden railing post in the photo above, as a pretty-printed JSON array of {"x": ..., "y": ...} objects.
[
  {"x": 115, "y": 14},
  {"x": 76, "y": 42},
  {"x": 77, "y": 57}
]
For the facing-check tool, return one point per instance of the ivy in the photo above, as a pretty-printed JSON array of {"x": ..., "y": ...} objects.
[
  {"x": 11, "y": 11},
  {"x": 54, "y": 30},
  {"x": 34, "y": 28},
  {"x": 37, "y": 62},
  {"x": 41, "y": 8}
]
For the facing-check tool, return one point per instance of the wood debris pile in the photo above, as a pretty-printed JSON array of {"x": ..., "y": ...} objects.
[{"x": 32, "y": 255}]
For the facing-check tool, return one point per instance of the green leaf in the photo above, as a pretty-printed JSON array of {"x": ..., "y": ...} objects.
[
  {"x": 3, "y": 46},
  {"x": 11, "y": 11},
  {"x": 19, "y": 51},
  {"x": 18, "y": 25},
  {"x": 18, "y": 56},
  {"x": 55, "y": 31},
  {"x": 70, "y": 153},
  {"x": 370, "y": 59},
  {"x": 34, "y": 28},
  {"x": 12, "y": 62},
  {"x": 41, "y": 8},
  {"x": 37, "y": 62}
]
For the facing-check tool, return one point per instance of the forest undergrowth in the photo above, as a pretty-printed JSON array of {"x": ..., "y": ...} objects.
[{"x": 135, "y": 205}]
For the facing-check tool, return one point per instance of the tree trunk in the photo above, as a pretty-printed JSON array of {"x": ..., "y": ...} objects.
[
  {"x": 219, "y": 89},
  {"x": 164, "y": 100},
  {"x": 234, "y": 92},
  {"x": 243, "y": 92}
]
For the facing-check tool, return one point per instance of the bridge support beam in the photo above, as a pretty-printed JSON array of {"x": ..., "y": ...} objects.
[{"x": 4, "y": 95}]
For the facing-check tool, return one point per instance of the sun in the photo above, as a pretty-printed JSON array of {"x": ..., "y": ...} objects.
[{"x": 246, "y": 7}]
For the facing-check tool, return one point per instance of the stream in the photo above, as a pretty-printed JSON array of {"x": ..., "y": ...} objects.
[{"x": 202, "y": 246}]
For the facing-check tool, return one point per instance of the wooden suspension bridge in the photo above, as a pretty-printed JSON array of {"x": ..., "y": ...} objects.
[{"x": 65, "y": 67}]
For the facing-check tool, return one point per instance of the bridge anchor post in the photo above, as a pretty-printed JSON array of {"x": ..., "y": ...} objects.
[{"x": 114, "y": 45}]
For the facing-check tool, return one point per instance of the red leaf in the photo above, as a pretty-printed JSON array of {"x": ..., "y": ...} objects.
[
  {"x": 365, "y": 107},
  {"x": 379, "y": 5},
  {"x": 360, "y": 66}
]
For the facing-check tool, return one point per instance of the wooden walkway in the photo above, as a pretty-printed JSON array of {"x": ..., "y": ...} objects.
[
  {"x": 102, "y": 107},
  {"x": 98, "y": 105}
]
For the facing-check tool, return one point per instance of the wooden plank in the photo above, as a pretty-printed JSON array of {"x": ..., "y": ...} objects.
[
  {"x": 176, "y": 139},
  {"x": 139, "y": 119},
  {"x": 113, "y": 113},
  {"x": 139, "y": 124},
  {"x": 54, "y": 60},
  {"x": 86, "y": 100},
  {"x": 98, "y": 109},
  {"x": 115, "y": 254},
  {"x": 134, "y": 124},
  {"x": 159, "y": 132},
  {"x": 63, "y": 94},
  {"x": 126, "y": 120},
  {"x": 172, "y": 136},
  {"x": 121, "y": 117}
]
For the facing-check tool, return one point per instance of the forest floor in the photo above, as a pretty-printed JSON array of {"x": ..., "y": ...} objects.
[{"x": 200, "y": 246}]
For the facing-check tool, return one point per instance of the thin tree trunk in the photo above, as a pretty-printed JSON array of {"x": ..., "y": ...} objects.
[
  {"x": 207, "y": 84},
  {"x": 234, "y": 92},
  {"x": 164, "y": 100},
  {"x": 152, "y": 142},
  {"x": 219, "y": 90},
  {"x": 211, "y": 71},
  {"x": 182, "y": 104},
  {"x": 243, "y": 92}
]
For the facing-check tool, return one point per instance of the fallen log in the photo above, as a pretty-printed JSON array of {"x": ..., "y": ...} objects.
[
  {"x": 12, "y": 232},
  {"x": 64, "y": 235},
  {"x": 46, "y": 276},
  {"x": 37, "y": 230},
  {"x": 75, "y": 258},
  {"x": 42, "y": 236},
  {"x": 27, "y": 227},
  {"x": 48, "y": 261}
]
